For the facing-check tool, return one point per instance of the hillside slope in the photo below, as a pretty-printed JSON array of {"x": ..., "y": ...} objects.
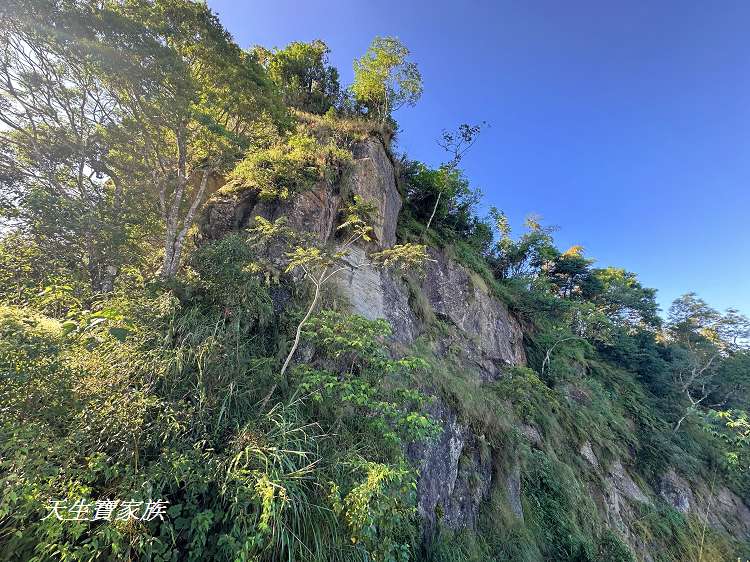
[{"x": 538, "y": 472}]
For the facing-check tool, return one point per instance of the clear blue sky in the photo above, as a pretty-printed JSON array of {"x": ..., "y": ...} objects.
[{"x": 627, "y": 124}]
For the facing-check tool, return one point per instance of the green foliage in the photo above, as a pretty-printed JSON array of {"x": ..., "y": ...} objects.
[
  {"x": 675, "y": 537},
  {"x": 454, "y": 213},
  {"x": 369, "y": 384},
  {"x": 555, "y": 502},
  {"x": 384, "y": 80},
  {"x": 224, "y": 278},
  {"x": 114, "y": 384},
  {"x": 288, "y": 166},
  {"x": 403, "y": 257},
  {"x": 526, "y": 256},
  {"x": 303, "y": 75},
  {"x": 175, "y": 405},
  {"x": 379, "y": 511},
  {"x": 731, "y": 430},
  {"x": 622, "y": 298}
]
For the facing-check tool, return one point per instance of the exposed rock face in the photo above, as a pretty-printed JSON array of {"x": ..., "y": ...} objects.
[
  {"x": 617, "y": 495},
  {"x": 513, "y": 489},
  {"x": 372, "y": 177},
  {"x": 311, "y": 211},
  {"x": 725, "y": 509},
  {"x": 454, "y": 475},
  {"x": 456, "y": 468},
  {"x": 588, "y": 453},
  {"x": 728, "y": 511},
  {"x": 226, "y": 213},
  {"x": 623, "y": 485},
  {"x": 532, "y": 434},
  {"x": 374, "y": 293},
  {"x": 460, "y": 297},
  {"x": 676, "y": 491}
]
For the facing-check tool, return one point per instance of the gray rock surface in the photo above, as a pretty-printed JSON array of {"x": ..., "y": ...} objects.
[
  {"x": 619, "y": 493},
  {"x": 457, "y": 296},
  {"x": 532, "y": 434},
  {"x": 588, "y": 453},
  {"x": 725, "y": 509},
  {"x": 313, "y": 211},
  {"x": 372, "y": 177},
  {"x": 623, "y": 485},
  {"x": 455, "y": 468},
  {"x": 454, "y": 474},
  {"x": 513, "y": 489},
  {"x": 675, "y": 490},
  {"x": 376, "y": 293}
]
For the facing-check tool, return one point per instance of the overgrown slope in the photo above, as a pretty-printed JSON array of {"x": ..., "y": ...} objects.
[{"x": 224, "y": 294}]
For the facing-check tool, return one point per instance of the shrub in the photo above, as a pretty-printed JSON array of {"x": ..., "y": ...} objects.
[{"x": 288, "y": 166}]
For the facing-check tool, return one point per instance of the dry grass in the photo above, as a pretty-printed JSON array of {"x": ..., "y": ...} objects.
[{"x": 344, "y": 131}]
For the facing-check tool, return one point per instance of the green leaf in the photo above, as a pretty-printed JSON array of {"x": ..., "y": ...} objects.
[{"x": 119, "y": 333}]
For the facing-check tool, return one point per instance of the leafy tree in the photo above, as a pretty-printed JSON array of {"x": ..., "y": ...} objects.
[
  {"x": 303, "y": 75},
  {"x": 527, "y": 256},
  {"x": 581, "y": 322},
  {"x": 183, "y": 122},
  {"x": 456, "y": 144},
  {"x": 569, "y": 271},
  {"x": 320, "y": 264},
  {"x": 56, "y": 175},
  {"x": 88, "y": 128},
  {"x": 703, "y": 338},
  {"x": 384, "y": 80},
  {"x": 622, "y": 298},
  {"x": 734, "y": 431},
  {"x": 450, "y": 190}
]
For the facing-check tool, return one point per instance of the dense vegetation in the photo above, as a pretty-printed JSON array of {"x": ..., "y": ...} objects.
[{"x": 225, "y": 378}]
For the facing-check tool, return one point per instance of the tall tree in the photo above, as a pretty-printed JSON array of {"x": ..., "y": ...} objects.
[
  {"x": 56, "y": 115},
  {"x": 384, "y": 80},
  {"x": 456, "y": 144},
  {"x": 303, "y": 75},
  {"x": 190, "y": 99},
  {"x": 703, "y": 340},
  {"x": 151, "y": 99}
]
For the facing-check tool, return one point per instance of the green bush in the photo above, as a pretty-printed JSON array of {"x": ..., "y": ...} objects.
[{"x": 288, "y": 166}]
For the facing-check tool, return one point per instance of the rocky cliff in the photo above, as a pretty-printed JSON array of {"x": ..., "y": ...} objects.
[{"x": 458, "y": 470}]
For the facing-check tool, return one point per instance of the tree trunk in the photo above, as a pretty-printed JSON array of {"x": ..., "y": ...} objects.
[
  {"x": 679, "y": 423},
  {"x": 110, "y": 270},
  {"x": 434, "y": 210},
  {"x": 295, "y": 345},
  {"x": 298, "y": 335},
  {"x": 174, "y": 240}
]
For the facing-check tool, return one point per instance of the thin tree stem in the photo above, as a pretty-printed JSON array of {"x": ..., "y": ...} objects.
[{"x": 434, "y": 210}]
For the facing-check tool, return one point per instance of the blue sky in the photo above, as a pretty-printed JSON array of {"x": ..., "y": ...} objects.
[{"x": 626, "y": 124}]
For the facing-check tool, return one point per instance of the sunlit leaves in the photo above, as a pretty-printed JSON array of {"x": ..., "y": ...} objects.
[{"x": 384, "y": 80}]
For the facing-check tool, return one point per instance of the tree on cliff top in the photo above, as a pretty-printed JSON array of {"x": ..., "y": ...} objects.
[
  {"x": 384, "y": 80},
  {"x": 303, "y": 75}
]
